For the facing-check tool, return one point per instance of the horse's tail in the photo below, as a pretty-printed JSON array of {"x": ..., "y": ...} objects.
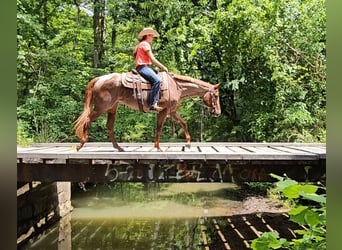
[{"x": 83, "y": 120}]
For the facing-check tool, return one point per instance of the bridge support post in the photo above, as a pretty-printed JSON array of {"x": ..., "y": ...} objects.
[
  {"x": 39, "y": 205},
  {"x": 64, "y": 198}
]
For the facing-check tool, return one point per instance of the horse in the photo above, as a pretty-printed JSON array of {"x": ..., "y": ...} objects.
[{"x": 105, "y": 93}]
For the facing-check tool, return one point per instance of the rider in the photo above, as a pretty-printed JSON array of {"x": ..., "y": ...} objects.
[{"x": 144, "y": 58}]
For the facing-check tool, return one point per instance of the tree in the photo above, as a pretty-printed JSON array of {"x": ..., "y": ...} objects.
[
  {"x": 276, "y": 68},
  {"x": 99, "y": 31},
  {"x": 268, "y": 56}
]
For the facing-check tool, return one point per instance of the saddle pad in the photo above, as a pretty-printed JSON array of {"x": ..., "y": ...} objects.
[{"x": 129, "y": 79}]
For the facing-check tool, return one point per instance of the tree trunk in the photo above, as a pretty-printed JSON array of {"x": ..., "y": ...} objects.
[{"x": 99, "y": 32}]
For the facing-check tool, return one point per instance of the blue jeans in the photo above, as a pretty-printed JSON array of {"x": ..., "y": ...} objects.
[{"x": 155, "y": 81}]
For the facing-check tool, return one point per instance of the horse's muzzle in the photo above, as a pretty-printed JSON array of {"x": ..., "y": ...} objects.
[{"x": 215, "y": 113}]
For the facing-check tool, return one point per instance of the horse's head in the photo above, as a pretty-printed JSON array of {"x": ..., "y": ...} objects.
[{"x": 212, "y": 100}]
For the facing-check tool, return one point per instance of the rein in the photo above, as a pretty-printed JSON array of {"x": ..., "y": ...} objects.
[
  {"x": 193, "y": 81},
  {"x": 171, "y": 76}
]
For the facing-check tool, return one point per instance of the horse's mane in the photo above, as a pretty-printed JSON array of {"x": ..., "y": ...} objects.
[{"x": 190, "y": 79}]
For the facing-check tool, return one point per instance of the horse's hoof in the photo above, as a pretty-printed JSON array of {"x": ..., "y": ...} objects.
[
  {"x": 188, "y": 145},
  {"x": 157, "y": 149}
]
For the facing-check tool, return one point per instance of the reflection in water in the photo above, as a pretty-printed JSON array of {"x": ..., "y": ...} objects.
[
  {"x": 123, "y": 234},
  {"x": 164, "y": 217},
  {"x": 137, "y": 234}
]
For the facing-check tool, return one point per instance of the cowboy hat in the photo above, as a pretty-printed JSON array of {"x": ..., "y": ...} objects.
[{"x": 148, "y": 31}]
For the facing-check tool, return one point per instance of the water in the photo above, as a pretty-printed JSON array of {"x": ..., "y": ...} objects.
[{"x": 136, "y": 216}]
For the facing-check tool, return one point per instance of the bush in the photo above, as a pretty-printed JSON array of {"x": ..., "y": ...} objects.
[{"x": 312, "y": 217}]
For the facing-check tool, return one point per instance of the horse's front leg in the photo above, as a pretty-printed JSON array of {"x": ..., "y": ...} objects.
[
  {"x": 110, "y": 127},
  {"x": 175, "y": 116},
  {"x": 161, "y": 117}
]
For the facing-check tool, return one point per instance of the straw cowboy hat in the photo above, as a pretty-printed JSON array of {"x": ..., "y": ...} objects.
[{"x": 148, "y": 31}]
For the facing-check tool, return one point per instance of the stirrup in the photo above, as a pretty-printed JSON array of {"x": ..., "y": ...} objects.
[{"x": 155, "y": 107}]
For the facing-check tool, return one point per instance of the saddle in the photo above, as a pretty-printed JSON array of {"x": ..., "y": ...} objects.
[{"x": 135, "y": 81}]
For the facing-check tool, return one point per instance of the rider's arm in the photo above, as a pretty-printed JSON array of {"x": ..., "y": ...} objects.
[{"x": 155, "y": 61}]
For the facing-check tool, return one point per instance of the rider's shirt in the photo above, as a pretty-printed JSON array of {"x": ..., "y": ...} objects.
[{"x": 141, "y": 56}]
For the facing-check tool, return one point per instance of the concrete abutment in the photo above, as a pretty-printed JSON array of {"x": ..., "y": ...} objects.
[{"x": 39, "y": 205}]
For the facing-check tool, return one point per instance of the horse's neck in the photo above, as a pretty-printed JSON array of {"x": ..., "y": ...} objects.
[{"x": 190, "y": 89}]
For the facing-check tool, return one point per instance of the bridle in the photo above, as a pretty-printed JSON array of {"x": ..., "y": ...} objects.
[
  {"x": 213, "y": 96},
  {"x": 213, "y": 100}
]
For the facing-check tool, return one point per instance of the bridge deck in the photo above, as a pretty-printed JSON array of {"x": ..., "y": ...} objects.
[{"x": 138, "y": 155}]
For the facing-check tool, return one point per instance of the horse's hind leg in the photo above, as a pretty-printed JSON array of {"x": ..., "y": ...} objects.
[
  {"x": 83, "y": 138},
  {"x": 110, "y": 127},
  {"x": 92, "y": 117},
  {"x": 175, "y": 116},
  {"x": 79, "y": 146}
]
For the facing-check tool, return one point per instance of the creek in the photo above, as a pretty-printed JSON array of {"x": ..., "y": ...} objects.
[{"x": 139, "y": 216}]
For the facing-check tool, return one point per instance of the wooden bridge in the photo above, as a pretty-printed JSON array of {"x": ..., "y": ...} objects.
[{"x": 202, "y": 162}]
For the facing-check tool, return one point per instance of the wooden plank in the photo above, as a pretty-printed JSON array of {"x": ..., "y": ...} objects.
[
  {"x": 207, "y": 149},
  {"x": 291, "y": 150},
  {"x": 132, "y": 149},
  {"x": 25, "y": 149},
  {"x": 28, "y": 150},
  {"x": 313, "y": 150},
  {"x": 191, "y": 149},
  {"x": 223, "y": 149},
  {"x": 106, "y": 149},
  {"x": 55, "y": 149},
  {"x": 264, "y": 150},
  {"x": 145, "y": 148},
  {"x": 174, "y": 149},
  {"x": 239, "y": 149}
]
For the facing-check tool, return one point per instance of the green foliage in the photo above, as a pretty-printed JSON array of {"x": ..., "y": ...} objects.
[
  {"x": 23, "y": 138},
  {"x": 273, "y": 53},
  {"x": 312, "y": 217},
  {"x": 269, "y": 240},
  {"x": 256, "y": 188},
  {"x": 268, "y": 56}
]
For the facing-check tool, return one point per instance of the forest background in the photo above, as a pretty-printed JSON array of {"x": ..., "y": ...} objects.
[{"x": 268, "y": 56}]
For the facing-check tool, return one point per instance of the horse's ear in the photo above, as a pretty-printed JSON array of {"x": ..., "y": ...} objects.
[{"x": 216, "y": 86}]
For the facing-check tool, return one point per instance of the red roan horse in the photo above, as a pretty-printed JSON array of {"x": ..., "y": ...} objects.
[{"x": 105, "y": 93}]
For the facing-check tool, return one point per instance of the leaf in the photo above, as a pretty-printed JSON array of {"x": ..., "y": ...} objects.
[
  {"x": 285, "y": 183},
  {"x": 314, "y": 197},
  {"x": 279, "y": 178},
  {"x": 300, "y": 232},
  {"x": 297, "y": 214},
  {"x": 292, "y": 192},
  {"x": 319, "y": 238},
  {"x": 312, "y": 218},
  {"x": 268, "y": 240},
  {"x": 260, "y": 244},
  {"x": 308, "y": 188}
]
